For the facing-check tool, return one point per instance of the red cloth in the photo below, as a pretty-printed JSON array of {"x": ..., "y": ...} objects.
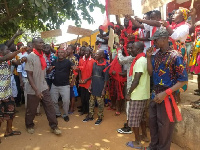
[
  {"x": 168, "y": 106},
  {"x": 48, "y": 57},
  {"x": 42, "y": 59},
  {"x": 117, "y": 26},
  {"x": 102, "y": 64},
  {"x": 197, "y": 29},
  {"x": 85, "y": 67},
  {"x": 115, "y": 66},
  {"x": 128, "y": 30},
  {"x": 134, "y": 61}
]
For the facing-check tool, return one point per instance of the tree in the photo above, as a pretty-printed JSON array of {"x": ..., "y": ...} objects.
[{"x": 42, "y": 14}]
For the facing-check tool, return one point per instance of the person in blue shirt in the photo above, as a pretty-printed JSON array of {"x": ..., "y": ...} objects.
[{"x": 169, "y": 75}]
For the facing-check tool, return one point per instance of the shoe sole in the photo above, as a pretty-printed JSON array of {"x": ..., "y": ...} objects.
[{"x": 122, "y": 132}]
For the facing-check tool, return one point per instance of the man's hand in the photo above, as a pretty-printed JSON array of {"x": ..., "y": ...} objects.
[
  {"x": 39, "y": 95},
  {"x": 90, "y": 89},
  {"x": 19, "y": 32},
  {"x": 22, "y": 85},
  {"x": 103, "y": 93},
  {"x": 149, "y": 52},
  {"x": 113, "y": 73},
  {"x": 138, "y": 19},
  {"x": 128, "y": 97},
  {"x": 164, "y": 23},
  {"x": 160, "y": 97},
  {"x": 192, "y": 12},
  {"x": 50, "y": 69},
  {"x": 131, "y": 36},
  {"x": 82, "y": 81},
  {"x": 23, "y": 59}
]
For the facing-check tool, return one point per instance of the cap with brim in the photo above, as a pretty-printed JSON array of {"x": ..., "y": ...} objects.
[{"x": 159, "y": 33}]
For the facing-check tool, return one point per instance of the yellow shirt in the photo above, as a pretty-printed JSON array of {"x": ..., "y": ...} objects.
[{"x": 142, "y": 91}]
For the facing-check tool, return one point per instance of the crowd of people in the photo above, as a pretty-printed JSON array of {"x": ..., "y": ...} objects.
[{"x": 147, "y": 66}]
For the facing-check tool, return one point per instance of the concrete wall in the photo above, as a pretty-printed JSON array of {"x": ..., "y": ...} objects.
[{"x": 187, "y": 132}]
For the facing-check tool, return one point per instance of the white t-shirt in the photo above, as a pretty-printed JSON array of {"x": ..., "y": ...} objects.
[
  {"x": 142, "y": 34},
  {"x": 181, "y": 33},
  {"x": 150, "y": 28}
]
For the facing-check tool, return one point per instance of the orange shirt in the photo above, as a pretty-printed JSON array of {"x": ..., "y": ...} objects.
[{"x": 86, "y": 70}]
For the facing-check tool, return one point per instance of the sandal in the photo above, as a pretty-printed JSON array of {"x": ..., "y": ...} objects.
[
  {"x": 130, "y": 144},
  {"x": 197, "y": 93},
  {"x": 13, "y": 133},
  {"x": 117, "y": 113}
]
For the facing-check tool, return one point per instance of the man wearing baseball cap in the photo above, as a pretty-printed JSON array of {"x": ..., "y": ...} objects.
[{"x": 169, "y": 74}]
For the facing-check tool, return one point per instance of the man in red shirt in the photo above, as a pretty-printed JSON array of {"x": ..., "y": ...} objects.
[{"x": 85, "y": 74}]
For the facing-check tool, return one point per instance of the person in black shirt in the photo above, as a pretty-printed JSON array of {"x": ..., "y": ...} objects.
[
  {"x": 98, "y": 85},
  {"x": 61, "y": 84}
]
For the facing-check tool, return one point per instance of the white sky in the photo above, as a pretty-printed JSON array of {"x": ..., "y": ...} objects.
[{"x": 98, "y": 18}]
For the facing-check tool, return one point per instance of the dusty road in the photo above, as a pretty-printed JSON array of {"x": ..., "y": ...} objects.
[{"x": 76, "y": 135}]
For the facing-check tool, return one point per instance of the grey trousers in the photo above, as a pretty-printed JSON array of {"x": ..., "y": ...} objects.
[{"x": 64, "y": 91}]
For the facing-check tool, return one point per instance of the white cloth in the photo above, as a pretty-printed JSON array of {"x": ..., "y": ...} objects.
[
  {"x": 143, "y": 34},
  {"x": 20, "y": 68},
  {"x": 150, "y": 28},
  {"x": 181, "y": 33}
]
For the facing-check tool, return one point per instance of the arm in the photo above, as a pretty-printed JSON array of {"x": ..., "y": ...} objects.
[
  {"x": 20, "y": 79},
  {"x": 19, "y": 32},
  {"x": 9, "y": 56},
  {"x": 149, "y": 62},
  {"x": 193, "y": 15},
  {"x": 149, "y": 22},
  {"x": 31, "y": 82},
  {"x": 137, "y": 24},
  {"x": 135, "y": 83},
  {"x": 104, "y": 88},
  {"x": 124, "y": 59}
]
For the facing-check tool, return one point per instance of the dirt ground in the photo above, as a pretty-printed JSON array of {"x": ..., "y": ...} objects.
[{"x": 76, "y": 135}]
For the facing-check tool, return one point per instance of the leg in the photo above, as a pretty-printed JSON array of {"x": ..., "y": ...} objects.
[
  {"x": 91, "y": 106},
  {"x": 32, "y": 104},
  {"x": 165, "y": 128},
  {"x": 198, "y": 81},
  {"x": 49, "y": 109},
  {"x": 87, "y": 97},
  {"x": 54, "y": 97},
  {"x": 100, "y": 101},
  {"x": 72, "y": 100},
  {"x": 82, "y": 98},
  {"x": 65, "y": 94},
  {"x": 18, "y": 98},
  {"x": 153, "y": 126}
]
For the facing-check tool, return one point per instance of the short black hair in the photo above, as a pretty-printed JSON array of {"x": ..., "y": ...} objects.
[
  {"x": 140, "y": 45},
  {"x": 35, "y": 39},
  {"x": 157, "y": 12},
  {"x": 148, "y": 13},
  {"x": 2, "y": 47},
  {"x": 130, "y": 42},
  {"x": 72, "y": 46}
]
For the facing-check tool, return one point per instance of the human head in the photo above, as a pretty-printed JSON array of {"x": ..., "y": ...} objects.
[
  {"x": 138, "y": 47},
  {"x": 101, "y": 29},
  {"x": 129, "y": 47},
  {"x": 29, "y": 47},
  {"x": 121, "y": 41},
  {"x": 47, "y": 49},
  {"x": 117, "y": 29},
  {"x": 87, "y": 52},
  {"x": 61, "y": 54},
  {"x": 19, "y": 45},
  {"x": 160, "y": 38},
  {"x": 82, "y": 51},
  {"x": 4, "y": 50},
  {"x": 12, "y": 48},
  {"x": 110, "y": 25},
  {"x": 99, "y": 55},
  {"x": 38, "y": 43},
  {"x": 126, "y": 22},
  {"x": 180, "y": 15},
  {"x": 71, "y": 49},
  {"x": 146, "y": 16},
  {"x": 155, "y": 15}
]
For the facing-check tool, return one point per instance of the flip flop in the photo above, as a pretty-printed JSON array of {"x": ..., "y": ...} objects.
[
  {"x": 13, "y": 133},
  {"x": 130, "y": 144}
]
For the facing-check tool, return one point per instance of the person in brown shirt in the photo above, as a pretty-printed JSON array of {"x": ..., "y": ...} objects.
[{"x": 37, "y": 88}]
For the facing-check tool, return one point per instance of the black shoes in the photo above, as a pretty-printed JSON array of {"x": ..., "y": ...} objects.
[
  {"x": 98, "y": 122},
  {"x": 66, "y": 118}
]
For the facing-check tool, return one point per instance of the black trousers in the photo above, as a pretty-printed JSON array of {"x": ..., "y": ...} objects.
[
  {"x": 19, "y": 95},
  {"x": 85, "y": 96},
  {"x": 161, "y": 129}
]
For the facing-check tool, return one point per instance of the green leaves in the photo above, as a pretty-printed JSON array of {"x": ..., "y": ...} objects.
[{"x": 36, "y": 15}]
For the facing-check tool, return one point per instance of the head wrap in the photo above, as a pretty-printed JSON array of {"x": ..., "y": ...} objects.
[
  {"x": 185, "y": 12},
  {"x": 19, "y": 43},
  {"x": 101, "y": 27},
  {"x": 117, "y": 26},
  {"x": 110, "y": 24}
]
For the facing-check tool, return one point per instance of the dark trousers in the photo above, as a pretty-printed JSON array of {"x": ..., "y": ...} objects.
[
  {"x": 31, "y": 110},
  {"x": 18, "y": 98},
  {"x": 161, "y": 129},
  {"x": 85, "y": 96}
]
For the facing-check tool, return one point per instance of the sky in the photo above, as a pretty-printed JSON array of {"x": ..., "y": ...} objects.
[{"x": 98, "y": 20}]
